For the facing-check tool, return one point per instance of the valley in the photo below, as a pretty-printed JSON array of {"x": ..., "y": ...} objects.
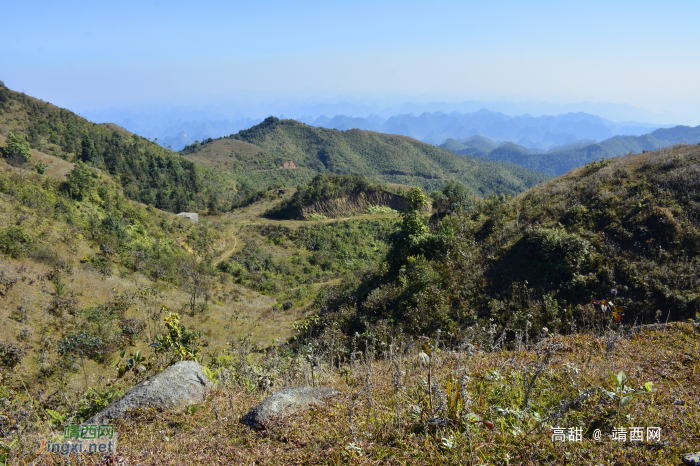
[{"x": 462, "y": 307}]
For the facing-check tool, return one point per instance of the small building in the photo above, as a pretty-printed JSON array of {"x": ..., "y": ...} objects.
[
  {"x": 288, "y": 164},
  {"x": 194, "y": 216}
]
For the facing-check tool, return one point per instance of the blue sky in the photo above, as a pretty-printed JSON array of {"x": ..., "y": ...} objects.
[{"x": 96, "y": 54}]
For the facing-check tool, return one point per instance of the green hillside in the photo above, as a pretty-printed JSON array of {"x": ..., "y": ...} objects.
[
  {"x": 379, "y": 157},
  {"x": 147, "y": 172},
  {"x": 629, "y": 223}
]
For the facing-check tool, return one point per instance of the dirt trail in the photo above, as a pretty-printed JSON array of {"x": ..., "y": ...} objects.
[{"x": 228, "y": 253}]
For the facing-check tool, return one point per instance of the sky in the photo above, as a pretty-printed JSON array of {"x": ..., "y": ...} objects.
[{"x": 92, "y": 55}]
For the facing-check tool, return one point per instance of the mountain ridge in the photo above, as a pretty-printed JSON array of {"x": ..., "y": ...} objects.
[
  {"x": 380, "y": 157},
  {"x": 560, "y": 160}
]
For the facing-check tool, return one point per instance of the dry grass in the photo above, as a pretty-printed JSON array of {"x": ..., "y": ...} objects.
[{"x": 496, "y": 380}]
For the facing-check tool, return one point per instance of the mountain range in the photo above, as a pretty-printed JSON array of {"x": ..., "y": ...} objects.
[
  {"x": 543, "y": 132},
  {"x": 561, "y": 159},
  {"x": 431, "y": 122}
]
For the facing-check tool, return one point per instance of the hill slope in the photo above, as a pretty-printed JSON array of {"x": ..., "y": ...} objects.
[
  {"x": 379, "y": 157},
  {"x": 630, "y": 223},
  {"x": 147, "y": 172}
]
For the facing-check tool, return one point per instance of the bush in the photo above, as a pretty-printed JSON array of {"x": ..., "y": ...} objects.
[
  {"x": 380, "y": 209},
  {"x": 10, "y": 356},
  {"x": 17, "y": 150},
  {"x": 14, "y": 241},
  {"x": 41, "y": 168}
]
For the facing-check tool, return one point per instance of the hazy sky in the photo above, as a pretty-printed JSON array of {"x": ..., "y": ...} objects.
[{"x": 96, "y": 54}]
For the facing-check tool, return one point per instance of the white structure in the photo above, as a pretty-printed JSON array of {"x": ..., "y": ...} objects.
[{"x": 194, "y": 216}]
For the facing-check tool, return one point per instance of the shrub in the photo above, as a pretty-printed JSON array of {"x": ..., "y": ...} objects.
[
  {"x": 131, "y": 328},
  {"x": 83, "y": 344},
  {"x": 41, "y": 168},
  {"x": 380, "y": 209},
  {"x": 17, "y": 150},
  {"x": 10, "y": 355},
  {"x": 14, "y": 241}
]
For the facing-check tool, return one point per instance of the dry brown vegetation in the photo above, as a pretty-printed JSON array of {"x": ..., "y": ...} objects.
[{"x": 383, "y": 415}]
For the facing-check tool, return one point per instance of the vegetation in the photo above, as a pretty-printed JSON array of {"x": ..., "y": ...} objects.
[
  {"x": 285, "y": 261},
  {"x": 323, "y": 188},
  {"x": 461, "y": 331},
  {"x": 539, "y": 259},
  {"x": 257, "y": 155},
  {"x": 89, "y": 206},
  {"x": 147, "y": 172},
  {"x": 17, "y": 150}
]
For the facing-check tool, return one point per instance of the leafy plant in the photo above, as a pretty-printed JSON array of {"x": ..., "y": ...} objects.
[
  {"x": 211, "y": 374},
  {"x": 622, "y": 394},
  {"x": 179, "y": 341},
  {"x": 608, "y": 306},
  {"x": 57, "y": 419},
  {"x": 96, "y": 400},
  {"x": 124, "y": 364}
]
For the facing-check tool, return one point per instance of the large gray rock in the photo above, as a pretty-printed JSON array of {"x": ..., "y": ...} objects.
[
  {"x": 284, "y": 402},
  {"x": 176, "y": 387},
  {"x": 691, "y": 459}
]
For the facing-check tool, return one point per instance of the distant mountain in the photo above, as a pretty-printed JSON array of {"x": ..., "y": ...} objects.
[
  {"x": 561, "y": 159},
  {"x": 290, "y": 152},
  {"x": 543, "y": 132}
]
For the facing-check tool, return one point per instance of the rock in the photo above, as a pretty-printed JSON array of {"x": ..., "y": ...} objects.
[
  {"x": 284, "y": 402},
  {"x": 176, "y": 387},
  {"x": 692, "y": 459}
]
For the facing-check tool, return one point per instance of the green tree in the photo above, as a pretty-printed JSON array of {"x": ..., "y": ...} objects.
[
  {"x": 414, "y": 228},
  {"x": 79, "y": 181},
  {"x": 17, "y": 150},
  {"x": 88, "y": 152},
  {"x": 452, "y": 198}
]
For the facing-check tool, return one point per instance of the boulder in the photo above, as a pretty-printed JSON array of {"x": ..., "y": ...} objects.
[
  {"x": 284, "y": 402},
  {"x": 176, "y": 387},
  {"x": 692, "y": 459}
]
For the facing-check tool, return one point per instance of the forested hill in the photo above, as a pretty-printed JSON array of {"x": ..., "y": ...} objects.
[
  {"x": 147, "y": 172},
  {"x": 560, "y": 160},
  {"x": 379, "y": 157}
]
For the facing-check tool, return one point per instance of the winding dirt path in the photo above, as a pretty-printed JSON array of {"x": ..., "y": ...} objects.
[{"x": 228, "y": 253}]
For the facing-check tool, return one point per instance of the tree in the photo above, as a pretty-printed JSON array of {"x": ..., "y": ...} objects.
[
  {"x": 88, "y": 152},
  {"x": 453, "y": 197},
  {"x": 79, "y": 181},
  {"x": 414, "y": 228},
  {"x": 196, "y": 280},
  {"x": 17, "y": 150}
]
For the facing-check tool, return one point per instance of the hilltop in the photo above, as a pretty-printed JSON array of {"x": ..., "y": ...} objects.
[
  {"x": 381, "y": 158},
  {"x": 560, "y": 159}
]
